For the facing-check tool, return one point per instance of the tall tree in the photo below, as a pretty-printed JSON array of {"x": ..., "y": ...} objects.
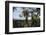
[{"x": 25, "y": 14}]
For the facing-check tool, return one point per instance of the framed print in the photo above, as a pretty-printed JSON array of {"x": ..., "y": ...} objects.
[{"x": 24, "y": 17}]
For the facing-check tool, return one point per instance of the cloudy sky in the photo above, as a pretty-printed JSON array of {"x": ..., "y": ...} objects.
[{"x": 17, "y": 12}]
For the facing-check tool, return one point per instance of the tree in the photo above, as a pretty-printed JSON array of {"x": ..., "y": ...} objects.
[
  {"x": 36, "y": 18},
  {"x": 25, "y": 14}
]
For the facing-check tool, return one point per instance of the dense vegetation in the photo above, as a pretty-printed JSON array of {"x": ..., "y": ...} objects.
[{"x": 35, "y": 22}]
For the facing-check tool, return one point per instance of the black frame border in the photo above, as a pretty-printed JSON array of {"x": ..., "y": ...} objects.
[{"x": 7, "y": 17}]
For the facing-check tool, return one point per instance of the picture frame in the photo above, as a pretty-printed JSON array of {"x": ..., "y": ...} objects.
[{"x": 9, "y": 8}]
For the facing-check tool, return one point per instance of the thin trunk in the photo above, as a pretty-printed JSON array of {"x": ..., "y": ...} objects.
[{"x": 26, "y": 19}]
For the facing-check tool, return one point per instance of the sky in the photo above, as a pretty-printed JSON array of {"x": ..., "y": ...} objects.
[{"x": 17, "y": 12}]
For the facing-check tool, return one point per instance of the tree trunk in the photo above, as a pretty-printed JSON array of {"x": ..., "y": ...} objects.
[{"x": 27, "y": 20}]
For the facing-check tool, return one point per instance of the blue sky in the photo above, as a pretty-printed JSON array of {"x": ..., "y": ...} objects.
[{"x": 17, "y": 12}]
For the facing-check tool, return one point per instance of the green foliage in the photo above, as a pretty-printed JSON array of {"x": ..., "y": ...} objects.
[{"x": 35, "y": 21}]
